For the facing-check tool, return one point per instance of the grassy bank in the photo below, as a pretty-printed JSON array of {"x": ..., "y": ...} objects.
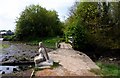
[
  {"x": 108, "y": 69},
  {"x": 4, "y": 46},
  {"x": 49, "y": 42}
]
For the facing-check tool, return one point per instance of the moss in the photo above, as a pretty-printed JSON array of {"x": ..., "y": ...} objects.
[
  {"x": 38, "y": 69},
  {"x": 5, "y": 46},
  {"x": 55, "y": 65},
  {"x": 96, "y": 71}
]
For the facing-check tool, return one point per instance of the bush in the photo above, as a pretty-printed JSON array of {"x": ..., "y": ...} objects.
[
  {"x": 109, "y": 69},
  {"x": 37, "y": 22},
  {"x": 8, "y": 38}
]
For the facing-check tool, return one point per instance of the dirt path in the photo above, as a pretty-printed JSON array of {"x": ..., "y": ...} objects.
[
  {"x": 73, "y": 63},
  {"x": 64, "y": 45}
]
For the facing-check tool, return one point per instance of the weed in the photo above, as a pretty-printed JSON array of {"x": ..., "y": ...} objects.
[{"x": 109, "y": 69}]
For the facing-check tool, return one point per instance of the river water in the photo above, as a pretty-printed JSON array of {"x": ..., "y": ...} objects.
[{"x": 5, "y": 69}]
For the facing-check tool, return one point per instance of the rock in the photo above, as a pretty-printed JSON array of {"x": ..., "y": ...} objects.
[
  {"x": 80, "y": 53},
  {"x": 23, "y": 51},
  {"x": 15, "y": 69},
  {"x": 30, "y": 66},
  {"x": 23, "y": 59},
  {"x": 36, "y": 54},
  {"x": 111, "y": 59},
  {"x": 7, "y": 68},
  {"x": 45, "y": 63},
  {"x": 3, "y": 72},
  {"x": 5, "y": 59},
  {"x": 32, "y": 57},
  {"x": 35, "y": 51},
  {"x": 114, "y": 58},
  {"x": 23, "y": 54}
]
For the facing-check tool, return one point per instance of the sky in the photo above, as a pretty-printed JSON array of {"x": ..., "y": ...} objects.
[{"x": 11, "y": 9}]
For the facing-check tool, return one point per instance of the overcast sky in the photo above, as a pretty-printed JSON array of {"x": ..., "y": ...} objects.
[{"x": 10, "y": 9}]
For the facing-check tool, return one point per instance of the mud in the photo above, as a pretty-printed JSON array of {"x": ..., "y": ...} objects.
[{"x": 18, "y": 54}]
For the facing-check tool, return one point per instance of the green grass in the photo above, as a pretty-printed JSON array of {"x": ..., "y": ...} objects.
[
  {"x": 49, "y": 42},
  {"x": 8, "y": 37},
  {"x": 38, "y": 69},
  {"x": 4, "y": 46},
  {"x": 55, "y": 65},
  {"x": 96, "y": 71},
  {"x": 1, "y": 47},
  {"x": 109, "y": 69}
]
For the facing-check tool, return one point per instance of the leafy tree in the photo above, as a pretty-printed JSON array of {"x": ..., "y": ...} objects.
[
  {"x": 94, "y": 26},
  {"x": 36, "y": 22}
]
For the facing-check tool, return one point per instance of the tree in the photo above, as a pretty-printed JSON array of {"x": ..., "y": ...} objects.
[
  {"x": 36, "y": 22},
  {"x": 94, "y": 26}
]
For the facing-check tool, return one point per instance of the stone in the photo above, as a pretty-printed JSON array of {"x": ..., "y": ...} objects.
[
  {"x": 15, "y": 69},
  {"x": 32, "y": 57},
  {"x": 5, "y": 59},
  {"x": 23, "y": 54},
  {"x": 7, "y": 68},
  {"x": 111, "y": 59},
  {"x": 23, "y": 51},
  {"x": 80, "y": 53},
  {"x": 45, "y": 63},
  {"x": 3, "y": 72}
]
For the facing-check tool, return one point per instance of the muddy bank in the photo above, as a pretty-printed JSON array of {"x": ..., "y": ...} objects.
[{"x": 18, "y": 54}]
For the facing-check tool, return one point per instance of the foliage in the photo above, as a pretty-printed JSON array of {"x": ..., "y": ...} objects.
[
  {"x": 37, "y": 69},
  {"x": 36, "y": 22},
  {"x": 5, "y": 45},
  {"x": 94, "y": 26},
  {"x": 49, "y": 42},
  {"x": 109, "y": 69},
  {"x": 8, "y": 37},
  {"x": 55, "y": 65}
]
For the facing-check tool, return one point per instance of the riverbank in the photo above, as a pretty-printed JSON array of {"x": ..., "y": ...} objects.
[
  {"x": 66, "y": 56},
  {"x": 18, "y": 54},
  {"x": 70, "y": 61}
]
